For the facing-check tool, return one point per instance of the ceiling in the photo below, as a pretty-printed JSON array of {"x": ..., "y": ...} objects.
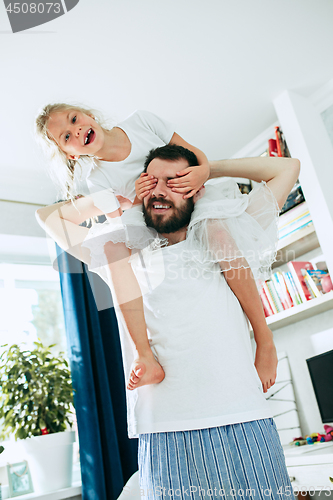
[{"x": 211, "y": 67}]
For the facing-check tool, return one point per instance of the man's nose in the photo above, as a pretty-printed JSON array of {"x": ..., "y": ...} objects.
[{"x": 160, "y": 190}]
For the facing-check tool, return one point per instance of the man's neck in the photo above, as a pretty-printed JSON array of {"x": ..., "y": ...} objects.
[{"x": 175, "y": 237}]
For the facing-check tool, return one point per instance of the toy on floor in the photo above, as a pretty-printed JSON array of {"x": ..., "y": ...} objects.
[{"x": 315, "y": 437}]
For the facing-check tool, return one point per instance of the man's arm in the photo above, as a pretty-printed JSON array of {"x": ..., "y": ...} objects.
[{"x": 280, "y": 174}]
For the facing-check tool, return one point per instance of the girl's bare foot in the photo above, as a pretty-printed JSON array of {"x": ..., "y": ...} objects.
[
  {"x": 145, "y": 370},
  {"x": 266, "y": 363}
]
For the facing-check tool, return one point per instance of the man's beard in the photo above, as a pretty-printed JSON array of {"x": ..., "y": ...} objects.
[{"x": 181, "y": 216}]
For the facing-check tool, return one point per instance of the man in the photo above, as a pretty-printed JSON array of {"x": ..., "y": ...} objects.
[{"x": 206, "y": 429}]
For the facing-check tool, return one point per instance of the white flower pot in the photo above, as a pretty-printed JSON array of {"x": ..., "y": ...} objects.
[{"x": 50, "y": 460}]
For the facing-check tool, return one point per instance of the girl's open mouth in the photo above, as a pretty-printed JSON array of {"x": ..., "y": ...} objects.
[{"x": 89, "y": 137}]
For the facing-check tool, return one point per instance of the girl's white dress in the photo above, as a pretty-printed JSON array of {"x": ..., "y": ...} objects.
[{"x": 227, "y": 227}]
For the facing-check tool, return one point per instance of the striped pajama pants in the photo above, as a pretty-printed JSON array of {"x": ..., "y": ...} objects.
[{"x": 243, "y": 461}]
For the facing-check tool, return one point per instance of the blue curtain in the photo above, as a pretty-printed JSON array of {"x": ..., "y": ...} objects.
[{"x": 108, "y": 456}]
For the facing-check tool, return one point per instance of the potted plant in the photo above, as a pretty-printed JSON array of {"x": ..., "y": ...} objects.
[{"x": 36, "y": 401}]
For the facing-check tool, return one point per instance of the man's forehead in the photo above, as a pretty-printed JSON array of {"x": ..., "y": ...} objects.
[{"x": 166, "y": 168}]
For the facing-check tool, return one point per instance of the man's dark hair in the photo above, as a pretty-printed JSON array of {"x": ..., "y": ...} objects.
[{"x": 171, "y": 152}]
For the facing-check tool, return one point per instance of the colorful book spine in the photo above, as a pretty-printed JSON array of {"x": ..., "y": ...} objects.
[
  {"x": 284, "y": 289},
  {"x": 275, "y": 296},
  {"x": 310, "y": 284},
  {"x": 293, "y": 230},
  {"x": 272, "y": 147},
  {"x": 269, "y": 298},
  {"x": 295, "y": 268},
  {"x": 293, "y": 220},
  {"x": 281, "y": 143},
  {"x": 292, "y": 289},
  {"x": 279, "y": 291},
  {"x": 266, "y": 305},
  {"x": 298, "y": 295},
  {"x": 278, "y": 141},
  {"x": 316, "y": 275},
  {"x": 301, "y": 220}
]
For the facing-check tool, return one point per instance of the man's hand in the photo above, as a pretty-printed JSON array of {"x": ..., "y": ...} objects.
[
  {"x": 266, "y": 363},
  {"x": 190, "y": 180},
  {"x": 144, "y": 184}
]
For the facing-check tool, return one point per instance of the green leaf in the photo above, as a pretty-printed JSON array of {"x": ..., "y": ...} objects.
[{"x": 35, "y": 387}]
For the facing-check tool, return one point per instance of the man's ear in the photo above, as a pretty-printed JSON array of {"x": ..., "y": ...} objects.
[{"x": 199, "y": 194}]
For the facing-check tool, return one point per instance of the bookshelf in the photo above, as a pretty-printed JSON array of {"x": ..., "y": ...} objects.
[
  {"x": 299, "y": 243},
  {"x": 305, "y": 330},
  {"x": 291, "y": 248},
  {"x": 300, "y": 312}
]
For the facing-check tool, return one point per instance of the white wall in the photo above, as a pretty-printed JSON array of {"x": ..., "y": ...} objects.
[
  {"x": 298, "y": 344},
  {"x": 211, "y": 67}
]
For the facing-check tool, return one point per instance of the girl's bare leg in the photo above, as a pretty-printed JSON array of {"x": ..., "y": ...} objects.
[{"x": 145, "y": 369}]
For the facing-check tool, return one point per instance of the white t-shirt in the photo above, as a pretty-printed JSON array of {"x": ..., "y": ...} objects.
[
  {"x": 145, "y": 131},
  {"x": 196, "y": 325},
  {"x": 200, "y": 335}
]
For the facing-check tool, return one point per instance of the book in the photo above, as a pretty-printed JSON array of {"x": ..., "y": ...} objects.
[
  {"x": 313, "y": 293},
  {"x": 293, "y": 214},
  {"x": 315, "y": 276},
  {"x": 295, "y": 287},
  {"x": 280, "y": 291},
  {"x": 289, "y": 291},
  {"x": 284, "y": 289},
  {"x": 266, "y": 305},
  {"x": 294, "y": 219},
  {"x": 272, "y": 147},
  {"x": 296, "y": 298},
  {"x": 295, "y": 268},
  {"x": 275, "y": 297},
  {"x": 269, "y": 298},
  {"x": 281, "y": 143}
]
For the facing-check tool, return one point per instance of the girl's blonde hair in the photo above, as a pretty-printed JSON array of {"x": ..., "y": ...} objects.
[{"x": 63, "y": 171}]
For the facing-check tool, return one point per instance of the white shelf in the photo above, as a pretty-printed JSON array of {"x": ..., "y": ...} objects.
[
  {"x": 293, "y": 246},
  {"x": 63, "y": 494},
  {"x": 300, "y": 312}
]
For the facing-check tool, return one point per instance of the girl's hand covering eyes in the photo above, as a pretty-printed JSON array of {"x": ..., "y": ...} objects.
[
  {"x": 199, "y": 194},
  {"x": 190, "y": 180},
  {"x": 144, "y": 184}
]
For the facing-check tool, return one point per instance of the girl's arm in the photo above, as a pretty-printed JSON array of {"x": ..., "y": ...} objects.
[
  {"x": 124, "y": 203},
  {"x": 243, "y": 285},
  {"x": 61, "y": 221},
  {"x": 280, "y": 174},
  {"x": 192, "y": 178}
]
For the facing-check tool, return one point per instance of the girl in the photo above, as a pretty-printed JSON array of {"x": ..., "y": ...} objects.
[
  {"x": 70, "y": 133},
  {"x": 117, "y": 157}
]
